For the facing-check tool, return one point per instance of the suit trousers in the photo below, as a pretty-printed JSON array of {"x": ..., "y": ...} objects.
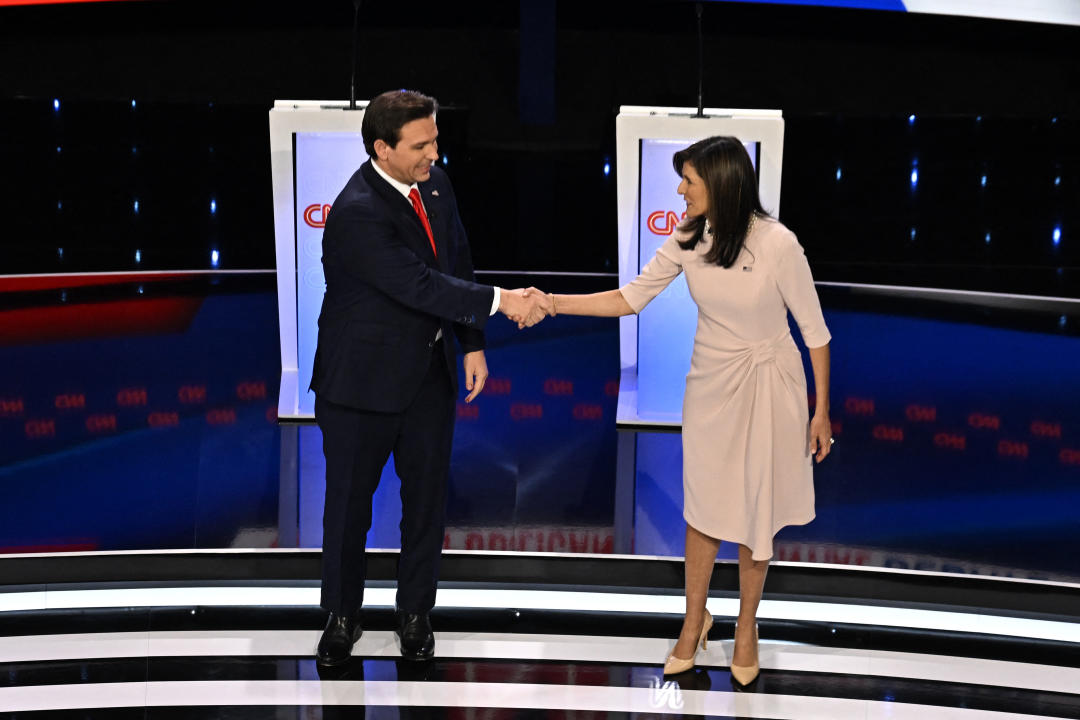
[{"x": 357, "y": 445}]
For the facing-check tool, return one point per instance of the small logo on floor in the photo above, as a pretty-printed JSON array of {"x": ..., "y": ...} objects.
[{"x": 666, "y": 694}]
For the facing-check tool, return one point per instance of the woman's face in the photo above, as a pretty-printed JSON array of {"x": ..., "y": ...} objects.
[{"x": 692, "y": 188}]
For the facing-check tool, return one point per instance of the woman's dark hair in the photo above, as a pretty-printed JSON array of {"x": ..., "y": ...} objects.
[
  {"x": 732, "y": 188},
  {"x": 387, "y": 113}
]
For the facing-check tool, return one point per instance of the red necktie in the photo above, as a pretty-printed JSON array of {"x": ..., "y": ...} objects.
[{"x": 414, "y": 196}]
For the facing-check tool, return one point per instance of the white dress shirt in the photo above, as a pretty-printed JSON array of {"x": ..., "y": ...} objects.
[{"x": 405, "y": 190}]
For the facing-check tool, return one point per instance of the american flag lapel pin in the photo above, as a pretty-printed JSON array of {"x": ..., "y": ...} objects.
[{"x": 434, "y": 193}]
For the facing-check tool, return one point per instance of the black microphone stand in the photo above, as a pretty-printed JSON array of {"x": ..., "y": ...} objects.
[
  {"x": 355, "y": 42},
  {"x": 700, "y": 66}
]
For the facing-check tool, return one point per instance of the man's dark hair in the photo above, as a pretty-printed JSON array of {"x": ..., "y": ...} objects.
[
  {"x": 732, "y": 187},
  {"x": 387, "y": 113}
]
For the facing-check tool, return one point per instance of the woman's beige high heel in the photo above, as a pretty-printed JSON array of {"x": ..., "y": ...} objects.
[
  {"x": 746, "y": 674},
  {"x": 674, "y": 665}
]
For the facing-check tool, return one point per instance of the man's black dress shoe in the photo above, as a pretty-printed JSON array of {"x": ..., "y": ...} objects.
[
  {"x": 335, "y": 645},
  {"x": 414, "y": 635}
]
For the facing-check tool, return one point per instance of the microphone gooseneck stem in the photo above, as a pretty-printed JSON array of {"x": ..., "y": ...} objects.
[
  {"x": 700, "y": 66},
  {"x": 355, "y": 42}
]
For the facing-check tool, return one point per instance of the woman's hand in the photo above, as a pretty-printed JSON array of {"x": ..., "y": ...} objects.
[{"x": 820, "y": 437}]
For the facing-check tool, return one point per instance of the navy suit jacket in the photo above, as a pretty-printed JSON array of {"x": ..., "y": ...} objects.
[{"x": 387, "y": 294}]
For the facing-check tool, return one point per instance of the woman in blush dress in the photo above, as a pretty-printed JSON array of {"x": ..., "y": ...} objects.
[{"x": 748, "y": 442}]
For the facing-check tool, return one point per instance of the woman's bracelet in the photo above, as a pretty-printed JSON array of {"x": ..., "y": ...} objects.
[{"x": 554, "y": 310}]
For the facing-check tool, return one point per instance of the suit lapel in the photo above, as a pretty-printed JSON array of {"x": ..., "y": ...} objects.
[{"x": 402, "y": 209}]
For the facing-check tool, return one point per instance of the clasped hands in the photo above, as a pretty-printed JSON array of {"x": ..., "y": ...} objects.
[{"x": 526, "y": 306}]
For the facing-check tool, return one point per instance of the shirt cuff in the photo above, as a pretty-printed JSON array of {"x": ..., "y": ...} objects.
[{"x": 495, "y": 301}]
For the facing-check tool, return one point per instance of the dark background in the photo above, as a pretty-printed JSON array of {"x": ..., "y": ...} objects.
[{"x": 529, "y": 93}]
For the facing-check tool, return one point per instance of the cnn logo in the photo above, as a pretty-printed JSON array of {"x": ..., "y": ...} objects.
[{"x": 315, "y": 215}]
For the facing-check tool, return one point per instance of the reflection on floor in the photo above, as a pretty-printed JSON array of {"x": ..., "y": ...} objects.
[
  {"x": 141, "y": 415},
  {"x": 164, "y": 656}
]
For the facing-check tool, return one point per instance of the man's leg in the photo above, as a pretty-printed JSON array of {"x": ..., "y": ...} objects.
[
  {"x": 422, "y": 461},
  {"x": 356, "y": 445}
]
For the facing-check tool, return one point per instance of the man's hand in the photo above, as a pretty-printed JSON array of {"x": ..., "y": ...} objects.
[
  {"x": 525, "y": 307},
  {"x": 545, "y": 302},
  {"x": 476, "y": 373}
]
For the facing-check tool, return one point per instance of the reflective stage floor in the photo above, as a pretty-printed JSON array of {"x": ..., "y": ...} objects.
[
  {"x": 217, "y": 652},
  {"x": 138, "y": 414}
]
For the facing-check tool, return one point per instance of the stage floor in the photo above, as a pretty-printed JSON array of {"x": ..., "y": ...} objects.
[{"x": 160, "y": 657}]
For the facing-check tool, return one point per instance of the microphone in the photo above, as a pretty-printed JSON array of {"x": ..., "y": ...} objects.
[
  {"x": 700, "y": 65},
  {"x": 355, "y": 42}
]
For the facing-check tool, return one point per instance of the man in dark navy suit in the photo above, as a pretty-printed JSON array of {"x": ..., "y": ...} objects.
[{"x": 399, "y": 287}]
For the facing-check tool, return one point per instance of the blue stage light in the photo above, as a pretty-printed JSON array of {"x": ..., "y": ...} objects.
[
  {"x": 56, "y": 105},
  {"x": 912, "y": 233},
  {"x": 987, "y": 238},
  {"x": 138, "y": 256},
  {"x": 1062, "y": 320},
  {"x": 140, "y": 289},
  {"x": 60, "y": 253},
  {"x": 445, "y": 160},
  {"x": 134, "y": 150},
  {"x": 1057, "y": 236},
  {"x": 911, "y": 119},
  {"x": 982, "y": 181},
  {"x": 1053, "y": 121},
  {"x": 136, "y": 207},
  {"x": 914, "y": 177},
  {"x": 133, "y": 104},
  {"x": 607, "y": 169},
  {"x": 978, "y": 118},
  {"x": 839, "y": 174},
  {"x": 214, "y": 257},
  {"x": 1057, "y": 181},
  {"x": 59, "y": 205},
  {"x": 63, "y": 296},
  {"x": 58, "y": 149},
  {"x": 213, "y": 206}
]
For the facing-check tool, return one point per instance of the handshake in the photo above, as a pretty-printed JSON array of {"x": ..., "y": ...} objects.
[{"x": 526, "y": 307}]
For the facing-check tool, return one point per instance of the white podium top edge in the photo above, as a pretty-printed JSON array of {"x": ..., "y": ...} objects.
[
  {"x": 308, "y": 105},
  {"x": 710, "y": 112}
]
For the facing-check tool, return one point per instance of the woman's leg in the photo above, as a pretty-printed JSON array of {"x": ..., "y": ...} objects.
[
  {"x": 700, "y": 557},
  {"x": 751, "y": 581}
]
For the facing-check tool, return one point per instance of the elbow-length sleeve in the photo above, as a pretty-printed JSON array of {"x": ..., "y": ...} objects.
[
  {"x": 796, "y": 286},
  {"x": 657, "y": 274}
]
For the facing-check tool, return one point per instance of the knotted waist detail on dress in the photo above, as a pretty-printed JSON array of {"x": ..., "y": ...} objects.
[
  {"x": 766, "y": 351},
  {"x": 762, "y": 352},
  {"x": 779, "y": 351}
]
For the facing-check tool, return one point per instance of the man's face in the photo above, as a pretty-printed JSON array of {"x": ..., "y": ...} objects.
[{"x": 410, "y": 160}]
